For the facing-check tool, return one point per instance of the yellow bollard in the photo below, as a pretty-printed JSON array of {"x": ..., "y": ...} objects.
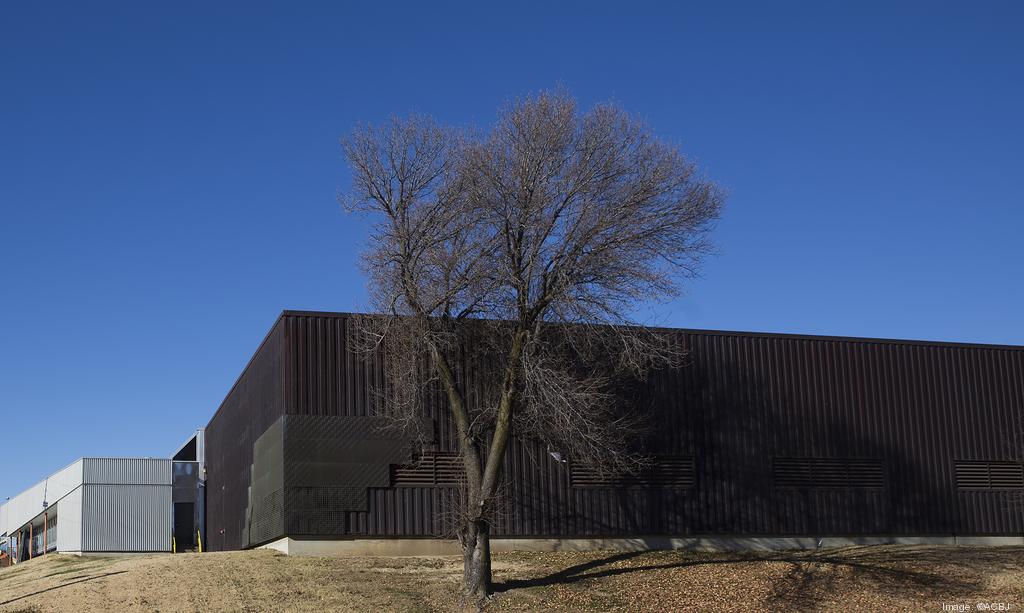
[
  {"x": 174, "y": 546},
  {"x": 199, "y": 539}
]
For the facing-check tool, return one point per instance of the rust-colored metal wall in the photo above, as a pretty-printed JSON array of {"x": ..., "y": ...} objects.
[{"x": 744, "y": 401}]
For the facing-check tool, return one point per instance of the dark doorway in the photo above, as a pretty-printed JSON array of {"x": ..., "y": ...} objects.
[{"x": 184, "y": 525}]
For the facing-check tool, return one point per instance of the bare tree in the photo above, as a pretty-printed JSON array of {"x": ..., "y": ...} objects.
[{"x": 525, "y": 249}]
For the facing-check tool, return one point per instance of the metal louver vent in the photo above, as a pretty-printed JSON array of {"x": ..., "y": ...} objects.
[
  {"x": 976, "y": 475},
  {"x": 666, "y": 472},
  {"x": 828, "y": 473},
  {"x": 434, "y": 469}
]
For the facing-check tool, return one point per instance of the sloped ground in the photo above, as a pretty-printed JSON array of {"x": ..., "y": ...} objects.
[{"x": 859, "y": 578}]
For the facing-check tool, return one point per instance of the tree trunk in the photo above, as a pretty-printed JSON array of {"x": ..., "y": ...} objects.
[{"x": 476, "y": 559}]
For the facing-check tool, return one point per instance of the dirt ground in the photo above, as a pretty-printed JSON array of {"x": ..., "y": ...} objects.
[{"x": 856, "y": 578}]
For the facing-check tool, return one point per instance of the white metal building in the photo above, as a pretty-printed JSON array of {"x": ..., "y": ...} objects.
[{"x": 94, "y": 505}]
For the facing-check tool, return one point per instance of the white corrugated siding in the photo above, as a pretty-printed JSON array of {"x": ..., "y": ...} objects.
[
  {"x": 139, "y": 471},
  {"x": 69, "y": 522},
  {"x": 126, "y": 517},
  {"x": 26, "y": 505}
]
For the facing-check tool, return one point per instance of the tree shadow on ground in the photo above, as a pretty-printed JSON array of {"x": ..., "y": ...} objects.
[
  {"x": 72, "y": 581},
  {"x": 812, "y": 574}
]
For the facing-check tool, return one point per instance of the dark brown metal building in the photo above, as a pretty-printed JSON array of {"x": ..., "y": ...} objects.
[{"x": 761, "y": 435}]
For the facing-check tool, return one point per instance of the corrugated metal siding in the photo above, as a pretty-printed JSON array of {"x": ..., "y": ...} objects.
[
  {"x": 743, "y": 399},
  {"x": 69, "y": 524},
  {"x": 251, "y": 406},
  {"x": 137, "y": 471},
  {"x": 324, "y": 376},
  {"x": 126, "y": 518}
]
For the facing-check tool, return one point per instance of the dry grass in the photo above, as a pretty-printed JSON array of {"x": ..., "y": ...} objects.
[{"x": 857, "y": 578}]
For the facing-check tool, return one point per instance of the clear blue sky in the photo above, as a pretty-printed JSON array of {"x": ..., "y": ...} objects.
[{"x": 168, "y": 174}]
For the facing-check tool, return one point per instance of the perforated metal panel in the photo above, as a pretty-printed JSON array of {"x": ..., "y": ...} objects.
[
  {"x": 741, "y": 400},
  {"x": 310, "y": 471},
  {"x": 330, "y": 463},
  {"x": 264, "y": 513},
  {"x": 253, "y": 403}
]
